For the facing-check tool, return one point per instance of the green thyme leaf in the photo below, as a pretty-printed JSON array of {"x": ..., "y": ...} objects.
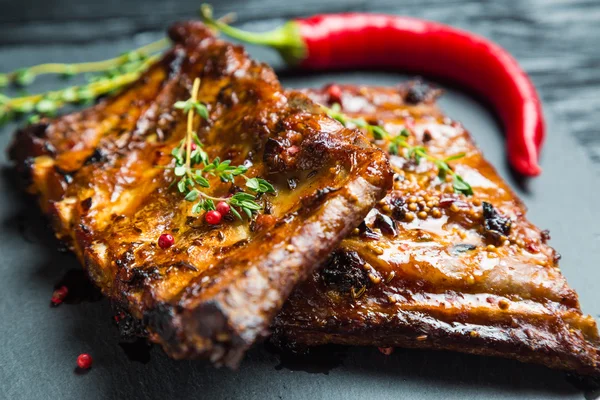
[
  {"x": 177, "y": 153},
  {"x": 69, "y": 72},
  {"x": 235, "y": 213},
  {"x": 208, "y": 205},
  {"x": 260, "y": 185},
  {"x": 405, "y": 133},
  {"x": 247, "y": 211},
  {"x": 85, "y": 95},
  {"x": 4, "y": 81},
  {"x": 461, "y": 186},
  {"x": 203, "y": 205},
  {"x": 133, "y": 56},
  {"x": 45, "y": 106},
  {"x": 181, "y": 105},
  {"x": 220, "y": 167},
  {"x": 5, "y": 115},
  {"x": 336, "y": 108},
  {"x": 180, "y": 170},
  {"x": 69, "y": 95},
  {"x": 190, "y": 104},
  {"x": 203, "y": 156},
  {"x": 417, "y": 153},
  {"x": 245, "y": 202},
  {"x": 201, "y": 180},
  {"x": 26, "y": 107},
  {"x": 359, "y": 122},
  {"x": 33, "y": 119},
  {"x": 455, "y": 157},
  {"x": 197, "y": 208},
  {"x": 202, "y": 110},
  {"x": 237, "y": 198},
  {"x": 379, "y": 132},
  {"x": 181, "y": 185},
  {"x": 24, "y": 77},
  {"x": 192, "y": 195},
  {"x": 250, "y": 205}
]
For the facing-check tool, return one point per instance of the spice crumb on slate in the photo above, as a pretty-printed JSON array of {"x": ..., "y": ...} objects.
[
  {"x": 84, "y": 361},
  {"x": 59, "y": 295}
]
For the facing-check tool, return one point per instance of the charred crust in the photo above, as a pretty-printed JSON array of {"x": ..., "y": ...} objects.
[
  {"x": 205, "y": 322},
  {"x": 462, "y": 248},
  {"x": 399, "y": 208},
  {"x": 344, "y": 270},
  {"x": 126, "y": 260},
  {"x": 385, "y": 224},
  {"x": 67, "y": 176},
  {"x": 315, "y": 154},
  {"x": 129, "y": 327},
  {"x": 86, "y": 204},
  {"x": 427, "y": 136},
  {"x": 188, "y": 33},
  {"x": 420, "y": 92},
  {"x": 274, "y": 155},
  {"x": 159, "y": 320},
  {"x": 324, "y": 192},
  {"x": 364, "y": 232},
  {"x": 545, "y": 236},
  {"x": 587, "y": 383},
  {"x": 139, "y": 276},
  {"x": 84, "y": 228},
  {"x": 184, "y": 265},
  {"x": 96, "y": 157},
  {"x": 28, "y": 144},
  {"x": 320, "y": 195},
  {"x": 38, "y": 130},
  {"x": 292, "y": 183},
  {"x": 227, "y": 96},
  {"x": 494, "y": 224}
]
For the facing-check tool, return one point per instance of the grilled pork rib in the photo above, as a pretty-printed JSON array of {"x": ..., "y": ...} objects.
[
  {"x": 433, "y": 269},
  {"x": 216, "y": 290}
]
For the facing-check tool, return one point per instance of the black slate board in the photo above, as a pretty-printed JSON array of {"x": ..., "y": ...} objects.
[{"x": 40, "y": 344}]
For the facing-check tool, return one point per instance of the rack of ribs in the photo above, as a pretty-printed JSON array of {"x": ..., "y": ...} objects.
[
  {"x": 216, "y": 290},
  {"x": 429, "y": 268}
]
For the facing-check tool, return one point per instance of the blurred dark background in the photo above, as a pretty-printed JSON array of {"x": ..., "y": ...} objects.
[{"x": 556, "y": 41}]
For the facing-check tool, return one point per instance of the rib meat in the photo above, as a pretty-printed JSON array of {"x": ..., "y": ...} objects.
[
  {"x": 468, "y": 274},
  {"x": 216, "y": 290}
]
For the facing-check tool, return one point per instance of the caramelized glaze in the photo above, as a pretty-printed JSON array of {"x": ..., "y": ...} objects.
[
  {"x": 445, "y": 273},
  {"x": 215, "y": 291}
]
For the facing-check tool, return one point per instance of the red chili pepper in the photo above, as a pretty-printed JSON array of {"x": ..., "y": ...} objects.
[{"x": 359, "y": 40}]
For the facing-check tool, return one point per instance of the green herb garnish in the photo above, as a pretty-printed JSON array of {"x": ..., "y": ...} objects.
[
  {"x": 192, "y": 167},
  {"x": 398, "y": 145}
]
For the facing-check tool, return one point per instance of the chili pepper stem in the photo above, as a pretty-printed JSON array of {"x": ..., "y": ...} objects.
[{"x": 285, "y": 39}]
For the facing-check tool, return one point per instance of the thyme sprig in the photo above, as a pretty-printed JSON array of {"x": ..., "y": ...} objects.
[
  {"x": 106, "y": 77},
  {"x": 116, "y": 65},
  {"x": 399, "y": 143},
  {"x": 192, "y": 166},
  {"x": 48, "y": 103}
]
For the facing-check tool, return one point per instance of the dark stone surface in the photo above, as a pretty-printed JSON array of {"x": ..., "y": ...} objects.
[{"x": 555, "y": 41}]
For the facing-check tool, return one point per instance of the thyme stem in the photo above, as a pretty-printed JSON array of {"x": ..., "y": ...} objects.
[
  {"x": 85, "y": 67},
  {"x": 49, "y": 102},
  {"x": 414, "y": 152},
  {"x": 193, "y": 166},
  {"x": 190, "y": 127}
]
